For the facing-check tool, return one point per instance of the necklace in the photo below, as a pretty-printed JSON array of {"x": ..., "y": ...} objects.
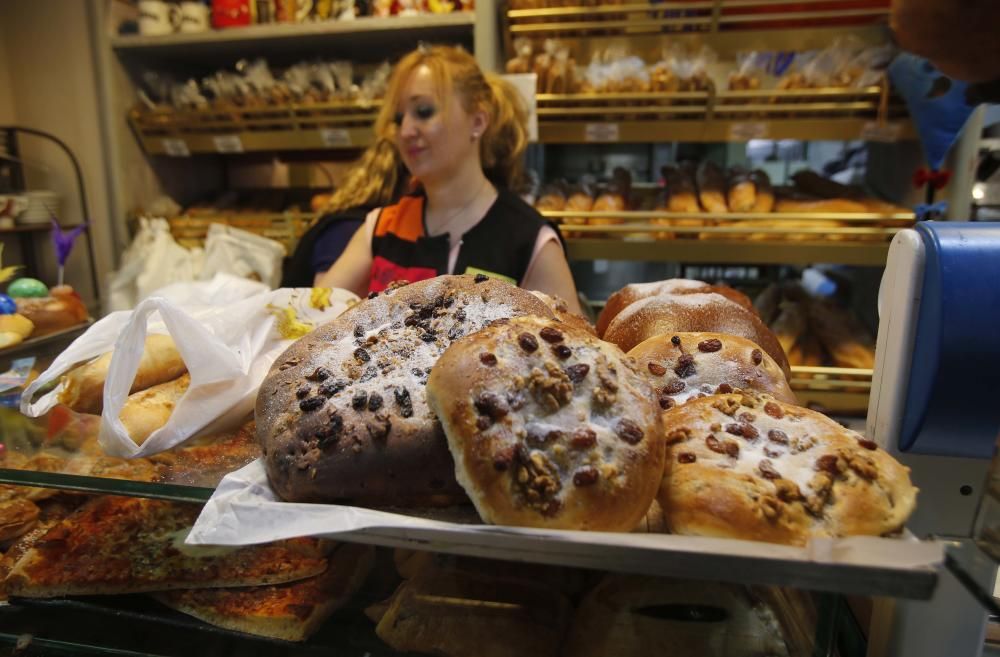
[{"x": 458, "y": 213}]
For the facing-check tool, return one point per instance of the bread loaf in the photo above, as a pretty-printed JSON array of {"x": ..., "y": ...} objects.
[
  {"x": 747, "y": 466},
  {"x": 83, "y": 386},
  {"x": 342, "y": 416},
  {"x": 842, "y": 335},
  {"x": 692, "y": 313},
  {"x": 741, "y": 192},
  {"x": 712, "y": 188},
  {"x": 549, "y": 426},
  {"x": 638, "y": 616},
  {"x": 764, "y": 202},
  {"x": 636, "y": 291},
  {"x": 146, "y": 411},
  {"x": 685, "y": 366}
]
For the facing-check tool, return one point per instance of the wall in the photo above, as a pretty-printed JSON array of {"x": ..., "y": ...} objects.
[{"x": 51, "y": 84}]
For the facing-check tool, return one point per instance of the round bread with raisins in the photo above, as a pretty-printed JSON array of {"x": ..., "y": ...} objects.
[
  {"x": 342, "y": 416},
  {"x": 686, "y": 366},
  {"x": 698, "y": 312},
  {"x": 633, "y": 292},
  {"x": 744, "y": 465},
  {"x": 549, "y": 426}
]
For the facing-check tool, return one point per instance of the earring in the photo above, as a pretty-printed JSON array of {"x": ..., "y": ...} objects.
[{"x": 475, "y": 136}]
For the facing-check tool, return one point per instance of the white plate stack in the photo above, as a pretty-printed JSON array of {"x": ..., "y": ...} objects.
[{"x": 43, "y": 205}]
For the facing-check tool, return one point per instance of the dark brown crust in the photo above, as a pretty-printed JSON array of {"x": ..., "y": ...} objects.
[
  {"x": 692, "y": 313},
  {"x": 377, "y": 456},
  {"x": 629, "y": 294}
]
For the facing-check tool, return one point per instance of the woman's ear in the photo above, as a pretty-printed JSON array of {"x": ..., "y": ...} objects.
[{"x": 480, "y": 120}]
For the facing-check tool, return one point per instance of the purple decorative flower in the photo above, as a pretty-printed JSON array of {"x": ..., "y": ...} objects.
[{"x": 64, "y": 241}]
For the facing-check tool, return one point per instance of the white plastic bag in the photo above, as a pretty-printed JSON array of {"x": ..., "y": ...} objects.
[
  {"x": 242, "y": 253},
  {"x": 165, "y": 261},
  {"x": 228, "y": 351}
]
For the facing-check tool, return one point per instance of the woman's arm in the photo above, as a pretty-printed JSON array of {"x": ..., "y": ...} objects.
[
  {"x": 352, "y": 269},
  {"x": 549, "y": 273}
]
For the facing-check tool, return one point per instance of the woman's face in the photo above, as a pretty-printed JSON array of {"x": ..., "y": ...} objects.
[{"x": 434, "y": 141}]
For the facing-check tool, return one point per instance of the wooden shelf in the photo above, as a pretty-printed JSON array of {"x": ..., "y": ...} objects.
[
  {"x": 837, "y": 390},
  {"x": 373, "y": 34}
]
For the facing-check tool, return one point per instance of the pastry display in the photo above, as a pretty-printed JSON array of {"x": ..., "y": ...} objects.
[
  {"x": 549, "y": 426},
  {"x": 745, "y": 465},
  {"x": 49, "y": 310},
  {"x": 686, "y": 366},
  {"x": 14, "y": 329},
  {"x": 342, "y": 416},
  {"x": 635, "y": 616}
]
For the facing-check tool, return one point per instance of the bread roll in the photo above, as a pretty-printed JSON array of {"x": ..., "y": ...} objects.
[
  {"x": 686, "y": 366},
  {"x": 549, "y": 426},
  {"x": 741, "y": 192},
  {"x": 807, "y": 352},
  {"x": 764, "y": 202},
  {"x": 460, "y": 613},
  {"x": 712, "y": 188},
  {"x": 83, "y": 386},
  {"x": 746, "y": 466},
  {"x": 636, "y": 291},
  {"x": 692, "y": 313},
  {"x": 342, "y": 416},
  {"x": 789, "y": 324},
  {"x": 639, "y": 616},
  {"x": 842, "y": 335},
  {"x": 683, "y": 196},
  {"x": 146, "y": 411}
]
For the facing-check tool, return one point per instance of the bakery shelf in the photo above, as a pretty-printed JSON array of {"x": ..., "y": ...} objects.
[
  {"x": 834, "y": 389},
  {"x": 105, "y": 485},
  {"x": 693, "y": 16},
  {"x": 316, "y": 126},
  {"x": 36, "y": 344},
  {"x": 706, "y": 116},
  {"x": 191, "y": 229},
  {"x": 369, "y": 33},
  {"x": 736, "y": 238}
]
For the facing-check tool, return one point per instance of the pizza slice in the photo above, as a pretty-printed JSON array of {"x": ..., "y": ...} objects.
[
  {"x": 206, "y": 464},
  {"x": 128, "y": 545},
  {"x": 17, "y": 514},
  {"x": 50, "y": 514},
  {"x": 292, "y": 612}
]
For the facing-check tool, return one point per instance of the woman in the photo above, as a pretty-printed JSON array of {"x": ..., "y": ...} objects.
[
  {"x": 460, "y": 134},
  {"x": 378, "y": 178}
]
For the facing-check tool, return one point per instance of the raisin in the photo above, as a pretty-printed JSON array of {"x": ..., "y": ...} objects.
[
  {"x": 686, "y": 457},
  {"x": 777, "y": 436},
  {"x": 539, "y": 437},
  {"x": 330, "y": 388},
  {"x": 487, "y": 358},
  {"x": 372, "y": 295},
  {"x": 629, "y": 431},
  {"x": 483, "y": 422},
  {"x": 743, "y": 429},
  {"x": 774, "y": 410},
  {"x": 550, "y": 334},
  {"x": 674, "y": 387},
  {"x": 404, "y": 402},
  {"x": 312, "y": 403},
  {"x": 708, "y": 346},
  {"x": 732, "y": 449},
  {"x": 578, "y": 372},
  {"x": 359, "y": 400},
  {"x": 374, "y": 402},
  {"x": 666, "y": 402},
  {"x": 676, "y": 341},
  {"x": 585, "y": 476},
  {"x": 330, "y": 432},
  {"x": 527, "y": 342},
  {"x": 359, "y": 331},
  {"x": 361, "y": 355},
  {"x": 503, "y": 459},
  {"x": 303, "y": 392},
  {"x": 459, "y": 315},
  {"x": 412, "y": 320},
  {"x": 685, "y": 366},
  {"x": 320, "y": 374},
  {"x": 828, "y": 463},
  {"x": 455, "y": 332},
  {"x": 724, "y": 389},
  {"x": 771, "y": 452},
  {"x": 488, "y": 403},
  {"x": 481, "y": 278},
  {"x": 562, "y": 351},
  {"x": 428, "y": 337},
  {"x": 767, "y": 470},
  {"x": 369, "y": 374},
  {"x": 583, "y": 438},
  {"x": 656, "y": 369},
  {"x": 747, "y": 416},
  {"x": 756, "y": 356},
  {"x": 868, "y": 444},
  {"x": 714, "y": 444}
]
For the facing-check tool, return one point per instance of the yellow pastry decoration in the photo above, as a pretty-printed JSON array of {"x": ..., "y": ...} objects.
[
  {"x": 289, "y": 326},
  {"x": 319, "y": 298}
]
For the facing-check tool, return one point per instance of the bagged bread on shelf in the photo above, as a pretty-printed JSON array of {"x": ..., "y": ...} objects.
[
  {"x": 636, "y": 616},
  {"x": 521, "y": 62},
  {"x": 148, "y": 410},
  {"x": 748, "y": 466},
  {"x": 749, "y": 72}
]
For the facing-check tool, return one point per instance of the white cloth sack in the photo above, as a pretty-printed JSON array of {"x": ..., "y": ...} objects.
[{"x": 228, "y": 350}]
